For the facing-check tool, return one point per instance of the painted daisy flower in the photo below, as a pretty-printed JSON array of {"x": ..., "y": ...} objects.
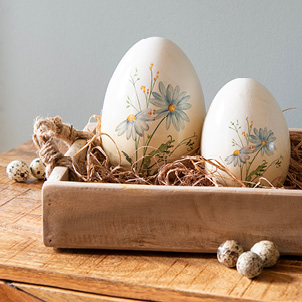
[
  {"x": 172, "y": 104},
  {"x": 263, "y": 140},
  {"x": 238, "y": 157},
  {"x": 134, "y": 125}
]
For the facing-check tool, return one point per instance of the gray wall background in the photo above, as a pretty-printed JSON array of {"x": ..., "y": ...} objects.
[{"x": 57, "y": 57}]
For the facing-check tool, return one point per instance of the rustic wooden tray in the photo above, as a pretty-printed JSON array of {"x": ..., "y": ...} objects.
[{"x": 160, "y": 218}]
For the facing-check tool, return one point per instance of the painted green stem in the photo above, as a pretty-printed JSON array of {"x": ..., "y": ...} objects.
[
  {"x": 133, "y": 106},
  {"x": 181, "y": 143},
  {"x": 239, "y": 137},
  {"x": 136, "y": 148},
  {"x": 149, "y": 140},
  {"x": 250, "y": 164},
  {"x": 151, "y": 136},
  {"x": 273, "y": 162},
  {"x": 134, "y": 85}
]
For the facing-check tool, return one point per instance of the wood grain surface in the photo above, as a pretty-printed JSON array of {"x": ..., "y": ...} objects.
[
  {"x": 51, "y": 294},
  {"x": 166, "y": 218},
  {"x": 116, "y": 275}
]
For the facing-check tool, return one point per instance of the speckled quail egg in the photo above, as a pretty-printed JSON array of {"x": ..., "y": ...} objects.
[
  {"x": 228, "y": 252},
  {"x": 268, "y": 252},
  {"x": 37, "y": 168},
  {"x": 18, "y": 171},
  {"x": 249, "y": 264}
]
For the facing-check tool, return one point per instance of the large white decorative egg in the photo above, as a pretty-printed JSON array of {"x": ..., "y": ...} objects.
[
  {"x": 245, "y": 130},
  {"x": 154, "y": 106}
]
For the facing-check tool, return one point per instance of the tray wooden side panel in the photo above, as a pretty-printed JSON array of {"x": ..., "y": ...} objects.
[{"x": 180, "y": 219}]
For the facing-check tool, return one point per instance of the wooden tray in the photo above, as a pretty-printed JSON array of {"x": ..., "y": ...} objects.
[{"x": 160, "y": 218}]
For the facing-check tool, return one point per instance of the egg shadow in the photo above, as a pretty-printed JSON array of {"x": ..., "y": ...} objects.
[{"x": 278, "y": 275}]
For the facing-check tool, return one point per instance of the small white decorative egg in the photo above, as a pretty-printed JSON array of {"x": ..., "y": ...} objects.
[
  {"x": 268, "y": 252},
  {"x": 249, "y": 265},
  {"x": 18, "y": 171},
  {"x": 229, "y": 252},
  {"x": 154, "y": 106},
  {"x": 37, "y": 168},
  {"x": 245, "y": 130}
]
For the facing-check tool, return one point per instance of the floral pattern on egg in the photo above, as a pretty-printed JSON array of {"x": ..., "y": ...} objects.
[
  {"x": 168, "y": 107},
  {"x": 249, "y": 145}
]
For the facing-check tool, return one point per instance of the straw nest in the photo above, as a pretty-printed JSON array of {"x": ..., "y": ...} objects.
[{"x": 92, "y": 164}]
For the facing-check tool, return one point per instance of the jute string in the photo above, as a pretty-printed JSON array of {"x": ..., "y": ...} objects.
[{"x": 47, "y": 132}]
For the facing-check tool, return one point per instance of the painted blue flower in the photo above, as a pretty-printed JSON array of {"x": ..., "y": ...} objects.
[
  {"x": 135, "y": 125},
  {"x": 172, "y": 104},
  {"x": 263, "y": 140},
  {"x": 238, "y": 157}
]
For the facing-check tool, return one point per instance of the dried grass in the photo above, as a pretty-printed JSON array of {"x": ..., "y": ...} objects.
[
  {"x": 187, "y": 171},
  {"x": 294, "y": 176},
  {"x": 91, "y": 163}
]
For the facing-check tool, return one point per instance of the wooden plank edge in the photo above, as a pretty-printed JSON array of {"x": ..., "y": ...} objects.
[
  {"x": 110, "y": 288},
  {"x": 9, "y": 293},
  {"x": 54, "y": 294}
]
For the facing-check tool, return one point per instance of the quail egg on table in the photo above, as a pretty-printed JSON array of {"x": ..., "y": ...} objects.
[
  {"x": 268, "y": 252},
  {"x": 37, "y": 168},
  {"x": 18, "y": 171},
  {"x": 229, "y": 252},
  {"x": 249, "y": 265}
]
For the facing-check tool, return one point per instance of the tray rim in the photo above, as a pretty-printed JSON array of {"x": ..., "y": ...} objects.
[{"x": 60, "y": 177}]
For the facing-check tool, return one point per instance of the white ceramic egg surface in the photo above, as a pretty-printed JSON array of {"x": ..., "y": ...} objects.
[
  {"x": 245, "y": 130},
  {"x": 154, "y": 106}
]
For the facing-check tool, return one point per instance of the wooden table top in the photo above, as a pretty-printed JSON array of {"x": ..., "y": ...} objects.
[{"x": 31, "y": 272}]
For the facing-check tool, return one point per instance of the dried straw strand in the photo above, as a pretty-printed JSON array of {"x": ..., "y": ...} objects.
[{"x": 95, "y": 167}]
